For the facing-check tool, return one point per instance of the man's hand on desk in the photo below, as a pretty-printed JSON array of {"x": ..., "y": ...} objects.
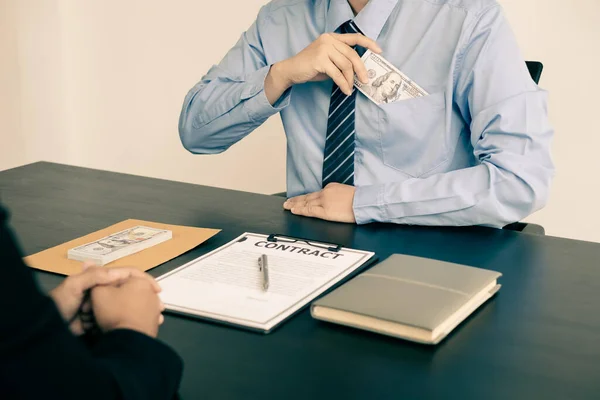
[
  {"x": 333, "y": 203},
  {"x": 330, "y": 56}
]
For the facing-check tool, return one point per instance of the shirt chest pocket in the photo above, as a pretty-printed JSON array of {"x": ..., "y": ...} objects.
[{"x": 412, "y": 134}]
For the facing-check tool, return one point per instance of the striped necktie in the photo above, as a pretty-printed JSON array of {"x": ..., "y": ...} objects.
[{"x": 338, "y": 158}]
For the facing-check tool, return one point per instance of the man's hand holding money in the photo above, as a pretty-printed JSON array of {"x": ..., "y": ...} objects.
[{"x": 330, "y": 56}]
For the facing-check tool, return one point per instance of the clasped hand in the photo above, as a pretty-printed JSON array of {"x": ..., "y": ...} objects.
[{"x": 120, "y": 298}]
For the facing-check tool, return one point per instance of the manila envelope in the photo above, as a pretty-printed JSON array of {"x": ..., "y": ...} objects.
[{"x": 184, "y": 239}]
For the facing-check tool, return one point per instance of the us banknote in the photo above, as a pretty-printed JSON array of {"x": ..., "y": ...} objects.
[
  {"x": 119, "y": 245},
  {"x": 387, "y": 83}
]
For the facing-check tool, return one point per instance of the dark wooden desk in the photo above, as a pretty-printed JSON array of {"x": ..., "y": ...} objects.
[{"x": 539, "y": 338}]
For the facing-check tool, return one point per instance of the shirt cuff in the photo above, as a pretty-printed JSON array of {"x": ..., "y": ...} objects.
[
  {"x": 369, "y": 205},
  {"x": 257, "y": 105}
]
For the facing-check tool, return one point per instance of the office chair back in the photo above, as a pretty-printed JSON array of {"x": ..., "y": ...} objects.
[{"x": 535, "y": 70}]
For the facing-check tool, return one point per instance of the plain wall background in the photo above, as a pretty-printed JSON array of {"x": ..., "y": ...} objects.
[
  {"x": 100, "y": 84},
  {"x": 14, "y": 152}
]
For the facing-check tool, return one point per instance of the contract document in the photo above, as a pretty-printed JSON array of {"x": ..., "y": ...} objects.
[{"x": 258, "y": 281}]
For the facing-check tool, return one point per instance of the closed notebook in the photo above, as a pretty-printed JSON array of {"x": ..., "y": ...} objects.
[{"x": 408, "y": 297}]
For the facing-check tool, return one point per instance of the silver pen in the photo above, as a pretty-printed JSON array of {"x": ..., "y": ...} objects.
[{"x": 263, "y": 264}]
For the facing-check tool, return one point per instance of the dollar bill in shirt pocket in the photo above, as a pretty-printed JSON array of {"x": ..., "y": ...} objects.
[{"x": 412, "y": 134}]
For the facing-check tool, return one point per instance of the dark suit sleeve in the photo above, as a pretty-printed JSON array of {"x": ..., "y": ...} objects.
[{"x": 40, "y": 358}]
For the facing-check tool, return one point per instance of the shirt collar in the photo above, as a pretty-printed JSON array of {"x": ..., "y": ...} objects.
[{"x": 370, "y": 20}]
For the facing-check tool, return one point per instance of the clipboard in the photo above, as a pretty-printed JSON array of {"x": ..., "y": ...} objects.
[
  {"x": 226, "y": 274},
  {"x": 276, "y": 237}
]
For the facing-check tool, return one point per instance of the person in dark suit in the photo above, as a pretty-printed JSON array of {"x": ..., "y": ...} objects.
[{"x": 42, "y": 354}]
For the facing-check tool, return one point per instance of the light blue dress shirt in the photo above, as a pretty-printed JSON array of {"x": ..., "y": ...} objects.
[{"x": 475, "y": 151}]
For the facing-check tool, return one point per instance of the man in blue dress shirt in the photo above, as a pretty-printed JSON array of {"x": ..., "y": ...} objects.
[{"x": 474, "y": 151}]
